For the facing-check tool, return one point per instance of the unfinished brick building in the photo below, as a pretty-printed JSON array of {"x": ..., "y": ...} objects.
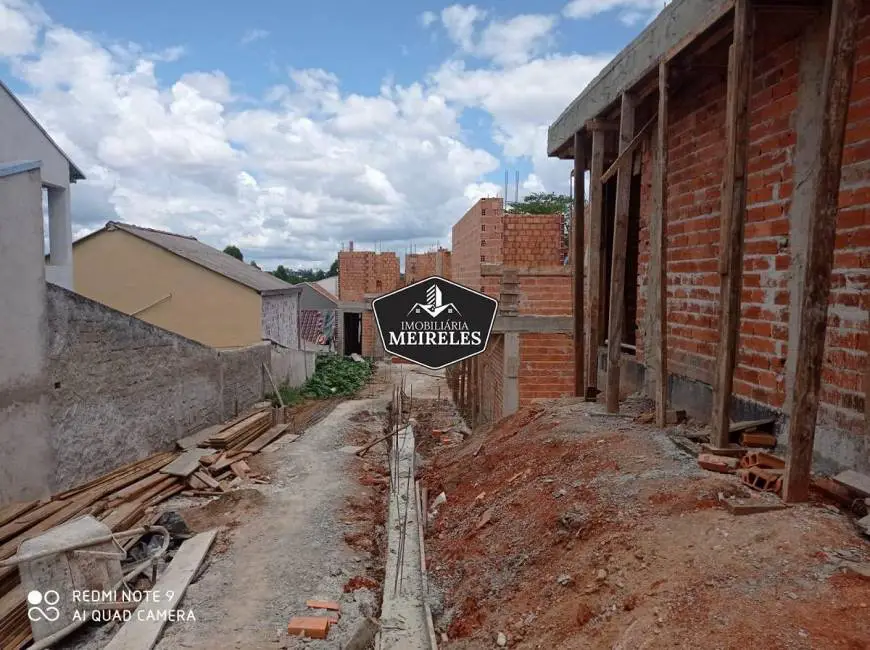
[
  {"x": 423, "y": 265},
  {"x": 362, "y": 276},
  {"x": 728, "y": 151},
  {"x": 518, "y": 259}
]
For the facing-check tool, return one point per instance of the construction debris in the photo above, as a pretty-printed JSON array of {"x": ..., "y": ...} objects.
[
  {"x": 124, "y": 498},
  {"x": 722, "y": 464},
  {"x": 855, "y": 482},
  {"x": 758, "y": 439},
  {"x": 762, "y": 479},
  {"x": 762, "y": 459}
]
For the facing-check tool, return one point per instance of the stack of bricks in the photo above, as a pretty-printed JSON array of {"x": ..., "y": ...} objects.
[{"x": 419, "y": 266}]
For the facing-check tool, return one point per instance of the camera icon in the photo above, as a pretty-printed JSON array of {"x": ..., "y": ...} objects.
[{"x": 48, "y": 599}]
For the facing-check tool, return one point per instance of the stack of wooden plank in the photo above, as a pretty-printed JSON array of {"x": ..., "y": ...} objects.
[{"x": 124, "y": 498}]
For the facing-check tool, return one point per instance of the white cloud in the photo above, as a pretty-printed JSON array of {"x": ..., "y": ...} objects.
[
  {"x": 427, "y": 18},
  {"x": 631, "y": 12},
  {"x": 253, "y": 35},
  {"x": 505, "y": 42},
  {"x": 19, "y": 27},
  {"x": 459, "y": 22},
  {"x": 287, "y": 179}
]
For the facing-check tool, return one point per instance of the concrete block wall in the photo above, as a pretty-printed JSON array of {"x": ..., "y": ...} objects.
[
  {"x": 121, "y": 389},
  {"x": 788, "y": 61}
]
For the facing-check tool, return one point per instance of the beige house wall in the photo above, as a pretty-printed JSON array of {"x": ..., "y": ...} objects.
[{"x": 129, "y": 274}]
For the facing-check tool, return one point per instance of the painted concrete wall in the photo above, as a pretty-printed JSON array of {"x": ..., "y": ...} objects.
[
  {"x": 129, "y": 274},
  {"x": 122, "y": 389},
  {"x": 24, "y": 423},
  {"x": 281, "y": 319},
  {"x": 23, "y": 140},
  {"x": 293, "y": 366}
]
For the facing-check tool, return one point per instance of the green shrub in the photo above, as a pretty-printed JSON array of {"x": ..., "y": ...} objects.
[{"x": 334, "y": 375}]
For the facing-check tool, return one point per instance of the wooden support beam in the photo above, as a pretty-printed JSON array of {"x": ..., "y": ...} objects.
[
  {"x": 658, "y": 291},
  {"x": 627, "y": 151},
  {"x": 596, "y": 215},
  {"x": 620, "y": 242},
  {"x": 825, "y": 177},
  {"x": 578, "y": 232},
  {"x": 732, "y": 219}
]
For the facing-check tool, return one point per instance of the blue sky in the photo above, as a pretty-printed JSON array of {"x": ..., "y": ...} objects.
[{"x": 289, "y": 127}]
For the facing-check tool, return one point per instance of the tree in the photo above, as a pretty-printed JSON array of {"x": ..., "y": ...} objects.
[
  {"x": 542, "y": 203},
  {"x": 333, "y": 270},
  {"x": 254, "y": 264},
  {"x": 233, "y": 250}
]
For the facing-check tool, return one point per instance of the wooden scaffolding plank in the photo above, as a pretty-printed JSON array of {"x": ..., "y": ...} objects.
[
  {"x": 266, "y": 438},
  {"x": 141, "y": 632},
  {"x": 825, "y": 178},
  {"x": 194, "y": 439},
  {"x": 187, "y": 463},
  {"x": 596, "y": 215},
  {"x": 732, "y": 219},
  {"x": 658, "y": 283},
  {"x": 579, "y": 260},
  {"x": 620, "y": 243}
]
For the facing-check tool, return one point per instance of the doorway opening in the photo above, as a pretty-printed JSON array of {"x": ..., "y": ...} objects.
[{"x": 352, "y": 333}]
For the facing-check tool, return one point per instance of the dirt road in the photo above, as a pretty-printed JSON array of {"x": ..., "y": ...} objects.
[{"x": 285, "y": 544}]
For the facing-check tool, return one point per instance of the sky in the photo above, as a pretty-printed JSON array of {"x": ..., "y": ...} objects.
[{"x": 289, "y": 128}]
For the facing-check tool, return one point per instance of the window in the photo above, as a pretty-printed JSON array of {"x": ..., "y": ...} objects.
[
  {"x": 483, "y": 212},
  {"x": 483, "y": 227},
  {"x": 483, "y": 242},
  {"x": 483, "y": 258}
]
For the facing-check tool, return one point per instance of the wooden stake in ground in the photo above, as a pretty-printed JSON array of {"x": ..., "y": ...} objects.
[
  {"x": 578, "y": 226},
  {"x": 733, "y": 208},
  {"x": 274, "y": 385},
  {"x": 825, "y": 176},
  {"x": 620, "y": 243}
]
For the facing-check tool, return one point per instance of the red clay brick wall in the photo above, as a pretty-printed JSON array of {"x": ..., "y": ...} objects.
[
  {"x": 362, "y": 272},
  {"x": 422, "y": 265},
  {"x": 476, "y": 240},
  {"x": 696, "y": 146},
  {"x": 546, "y": 295},
  {"x": 532, "y": 240},
  {"x": 369, "y": 332},
  {"x": 492, "y": 379},
  {"x": 847, "y": 347},
  {"x": 546, "y": 366}
]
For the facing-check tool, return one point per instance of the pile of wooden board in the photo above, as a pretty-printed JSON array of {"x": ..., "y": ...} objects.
[{"x": 124, "y": 498}]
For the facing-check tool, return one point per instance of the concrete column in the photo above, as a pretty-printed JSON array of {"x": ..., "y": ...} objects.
[
  {"x": 59, "y": 238},
  {"x": 511, "y": 383}
]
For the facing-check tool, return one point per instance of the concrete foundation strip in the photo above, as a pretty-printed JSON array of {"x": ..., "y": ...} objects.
[{"x": 430, "y": 624}]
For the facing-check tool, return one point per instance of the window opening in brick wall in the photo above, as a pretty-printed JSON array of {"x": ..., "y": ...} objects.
[{"x": 483, "y": 212}]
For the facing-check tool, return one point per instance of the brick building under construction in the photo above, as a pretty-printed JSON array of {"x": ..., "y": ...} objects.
[{"x": 728, "y": 158}]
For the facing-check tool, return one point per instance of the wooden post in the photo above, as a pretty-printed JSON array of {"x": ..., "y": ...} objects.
[
  {"x": 596, "y": 214},
  {"x": 620, "y": 242},
  {"x": 733, "y": 208},
  {"x": 658, "y": 283},
  {"x": 825, "y": 176},
  {"x": 579, "y": 211}
]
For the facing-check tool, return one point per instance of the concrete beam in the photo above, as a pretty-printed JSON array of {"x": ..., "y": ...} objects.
[
  {"x": 497, "y": 270},
  {"x": 354, "y": 307},
  {"x": 534, "y": 324},
  {"x": 679, "y": 23}
]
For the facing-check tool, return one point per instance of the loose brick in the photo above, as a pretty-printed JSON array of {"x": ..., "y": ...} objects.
[
  {"x": 721, "y": 464},
  {"x": 323, "y": 604},
  {"x": 313, "y": 627}
]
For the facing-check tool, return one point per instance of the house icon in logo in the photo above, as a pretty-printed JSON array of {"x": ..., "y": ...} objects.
[{"x": 434, "y": 303}]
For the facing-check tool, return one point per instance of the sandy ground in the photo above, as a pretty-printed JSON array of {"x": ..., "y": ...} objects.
[
  {"x": 571, "y": 529},
  {"x": 286, "y": 542}
]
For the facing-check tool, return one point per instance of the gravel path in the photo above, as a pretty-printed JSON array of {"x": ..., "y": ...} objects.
[{"x": 288, "y": 549}]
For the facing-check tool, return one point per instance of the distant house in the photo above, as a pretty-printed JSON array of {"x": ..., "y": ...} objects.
[
  {"x": 330, "y": 284},
  {"x": 318, "y": 310},
  {"x": 183, "y": 285}
]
